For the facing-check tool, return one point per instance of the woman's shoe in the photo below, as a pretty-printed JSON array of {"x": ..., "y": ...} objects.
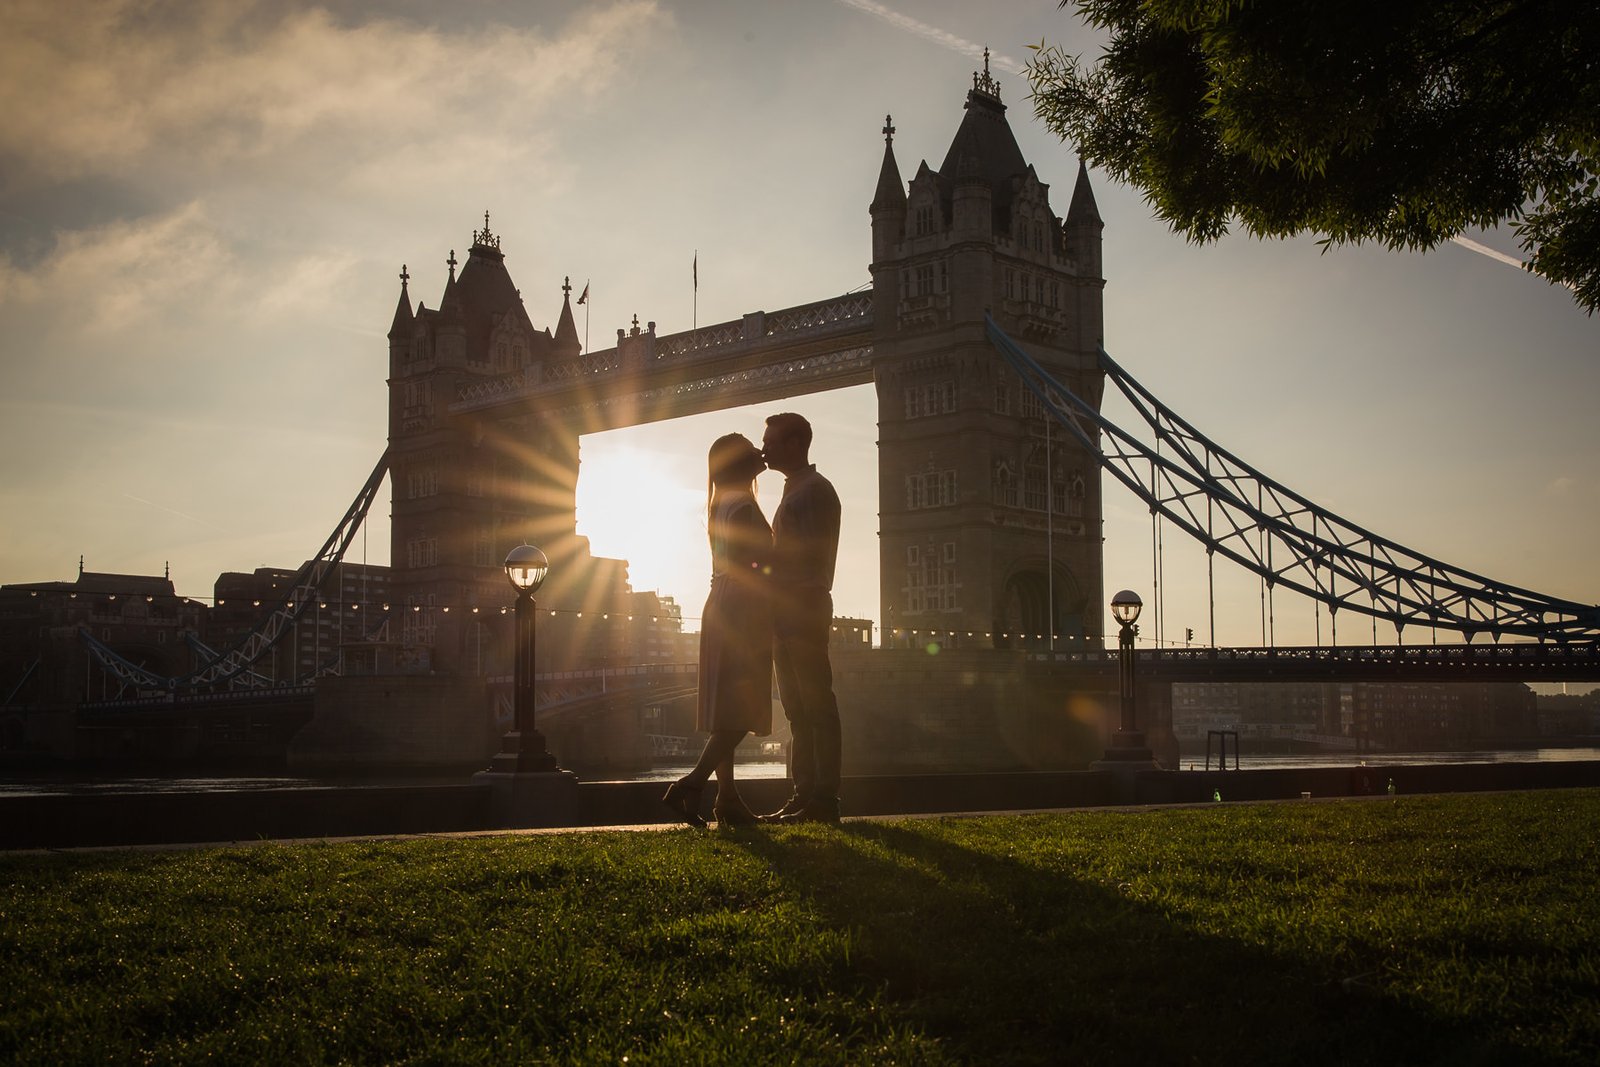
[
  {"x": 683, "y": 797},
  {"x": 734, "y": 813}
]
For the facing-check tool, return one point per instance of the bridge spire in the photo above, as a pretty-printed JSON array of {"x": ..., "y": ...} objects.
[
  {"x": 565, "y": 344},
  {"x": 402, "y": 310},
  {"x": 890, "y": 196}
]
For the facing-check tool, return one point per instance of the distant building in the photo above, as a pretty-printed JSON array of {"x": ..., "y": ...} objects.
[
  {"x": 350, "y": 613},
  {"x": 1391, "y": 716},
  {"x": 44, "y": 659}
]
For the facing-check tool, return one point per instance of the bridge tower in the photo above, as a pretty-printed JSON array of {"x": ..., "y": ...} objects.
[
  {"x": 466, "y": 491},
  {"x": 989, "y": 517}
]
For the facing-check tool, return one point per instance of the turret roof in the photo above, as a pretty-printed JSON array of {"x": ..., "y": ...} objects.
[
  {"x": 1083, "y": 208},
  {"x": 891, "y": 193},
  {"x": 984, "y": 148},
  {"x": 402, "y": 311},
  {"x": 566, "y": 330}
]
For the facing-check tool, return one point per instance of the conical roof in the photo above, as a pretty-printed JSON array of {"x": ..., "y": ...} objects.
[
  {"x": 984, "y": 148},
  {"x": 891, "y": 192},
  {"x": 566, "y": 339},
  {"x": 1083, "y": 207},
  {"x": 402, "y": 311}
]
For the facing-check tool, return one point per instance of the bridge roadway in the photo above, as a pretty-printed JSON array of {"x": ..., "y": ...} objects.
[
  {"x": 826, "y": 344},
  {"x": 1519, "y": 662}
]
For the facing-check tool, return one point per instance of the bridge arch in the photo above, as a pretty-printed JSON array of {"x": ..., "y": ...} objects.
[{"x": 1029, "y": 608}]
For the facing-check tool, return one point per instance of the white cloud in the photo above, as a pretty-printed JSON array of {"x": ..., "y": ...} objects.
[
  {"x": 117, "y": 275},
  {"x": 91, "y": 87},
  {"x": 942, "y": 38}
]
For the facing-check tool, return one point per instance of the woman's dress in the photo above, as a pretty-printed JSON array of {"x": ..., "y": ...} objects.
[{"x": 736, "y": 626}]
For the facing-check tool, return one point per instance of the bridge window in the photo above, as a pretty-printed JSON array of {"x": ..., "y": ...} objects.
[
  {"x": 1002, "y": 398},
  {"x": 1005, "y": 485},
  {"x": 1033, "y": 482},
  {"x": 417, "y": 400},
  {"x": 422, "y": 552},
  {"x": 422, "y": 482},
  {"x": 931, "y": 585},
  {"x": 1031, "y": 407},
  {"x": 925, "y": 221},
  {"x": 933, "y": 398},
  {"x": 925, "y": 280},
  {"x": 930, "y": 489}
]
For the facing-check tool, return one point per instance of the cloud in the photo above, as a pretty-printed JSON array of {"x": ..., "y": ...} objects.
[
  {"x": 92, "y": 87},
  {"x": 918, "y": 28},
  {"x": 119, "y": 274}
]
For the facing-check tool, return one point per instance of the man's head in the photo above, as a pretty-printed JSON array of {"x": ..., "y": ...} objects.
[{"x": 787, "y": 443}]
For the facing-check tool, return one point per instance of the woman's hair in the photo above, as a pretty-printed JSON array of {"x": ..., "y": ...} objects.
[{"x": 728, "y": 453}]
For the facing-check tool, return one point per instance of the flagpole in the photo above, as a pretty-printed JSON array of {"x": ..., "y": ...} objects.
[
  {"x": 584, "y": 300},
  {"x": 695, "y": 314}
]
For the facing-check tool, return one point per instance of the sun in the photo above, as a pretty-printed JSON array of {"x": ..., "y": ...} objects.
[{"x": 649, "y": 508}]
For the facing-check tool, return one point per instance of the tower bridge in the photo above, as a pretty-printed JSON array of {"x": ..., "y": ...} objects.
[{"x": 981, "y": 330}]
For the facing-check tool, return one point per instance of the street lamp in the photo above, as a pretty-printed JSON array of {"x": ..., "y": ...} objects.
[
  {"x": 1127, "y": 746},
  {"x": 523, "y": 747}
]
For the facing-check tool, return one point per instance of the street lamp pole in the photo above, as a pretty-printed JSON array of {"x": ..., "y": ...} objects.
[
  {"x": 523, "y": 748},
  {"x": 1128, "y": 748}
]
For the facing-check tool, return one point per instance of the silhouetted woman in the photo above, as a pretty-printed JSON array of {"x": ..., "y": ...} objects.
[{"x": 735, "y": 632}]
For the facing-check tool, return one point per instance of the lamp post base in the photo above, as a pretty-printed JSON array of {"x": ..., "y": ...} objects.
[
  {"x": 1128, "y": 752},
  {"x": 523, "y": 754}
]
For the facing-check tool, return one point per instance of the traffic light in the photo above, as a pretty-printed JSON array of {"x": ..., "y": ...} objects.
[{"x": 1188, "y": 634}]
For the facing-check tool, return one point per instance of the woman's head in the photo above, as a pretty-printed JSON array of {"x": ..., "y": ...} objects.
[{"x": 733, "y": 462}]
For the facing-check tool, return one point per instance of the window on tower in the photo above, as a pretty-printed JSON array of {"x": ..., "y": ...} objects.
[{"x": 930, "y": 398}]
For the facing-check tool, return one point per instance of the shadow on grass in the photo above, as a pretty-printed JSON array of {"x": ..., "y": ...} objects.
[{"x": 1005, "y": 961}]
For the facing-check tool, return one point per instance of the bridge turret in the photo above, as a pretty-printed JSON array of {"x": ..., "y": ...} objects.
[
  {"x": 1082, "y": 239},
  {"x": 888, "y": 200},
  {"x": 401, "y": 329},
  {"x": 566, "y": 344}
]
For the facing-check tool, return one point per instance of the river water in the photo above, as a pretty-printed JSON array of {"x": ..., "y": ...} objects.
[{"x": 30, "y": 785}]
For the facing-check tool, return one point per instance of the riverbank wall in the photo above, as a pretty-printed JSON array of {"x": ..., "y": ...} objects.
[{"x": 74, "y": 820}]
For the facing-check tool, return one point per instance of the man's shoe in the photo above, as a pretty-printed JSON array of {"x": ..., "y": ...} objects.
[
  {"x": 790, "y": 807},
  {"x": 811, "y": 813}
]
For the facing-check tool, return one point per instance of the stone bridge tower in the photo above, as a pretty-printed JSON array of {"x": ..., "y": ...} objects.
[
  {"x": 989, "y": 516},
  {"x": 466, "y": 491}
]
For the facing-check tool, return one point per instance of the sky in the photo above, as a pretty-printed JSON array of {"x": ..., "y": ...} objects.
[{"x": 204, "y": 208}]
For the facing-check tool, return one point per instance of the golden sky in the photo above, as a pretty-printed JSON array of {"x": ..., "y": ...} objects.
[{"x": 204, "y": 207}]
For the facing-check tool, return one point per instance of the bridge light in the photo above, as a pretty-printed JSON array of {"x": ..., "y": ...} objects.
[
  {"x": 1125, "y": 607},
  {"x": 253, "y": 603},
  {"x": 526, "y": 568}
]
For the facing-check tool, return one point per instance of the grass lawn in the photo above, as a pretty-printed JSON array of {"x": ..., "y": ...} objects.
[{"x": 1452, "y": 929}]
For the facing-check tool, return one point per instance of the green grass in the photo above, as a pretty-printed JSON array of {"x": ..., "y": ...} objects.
[{"x": 1459, "y": 929}]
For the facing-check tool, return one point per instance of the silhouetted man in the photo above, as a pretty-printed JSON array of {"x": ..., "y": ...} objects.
[{"x": 805, "y": 546}]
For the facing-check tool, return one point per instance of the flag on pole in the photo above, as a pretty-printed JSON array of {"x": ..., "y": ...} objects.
[
  {"x": 696, "y": 269},
  {"x": 584, "y": 298}
]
